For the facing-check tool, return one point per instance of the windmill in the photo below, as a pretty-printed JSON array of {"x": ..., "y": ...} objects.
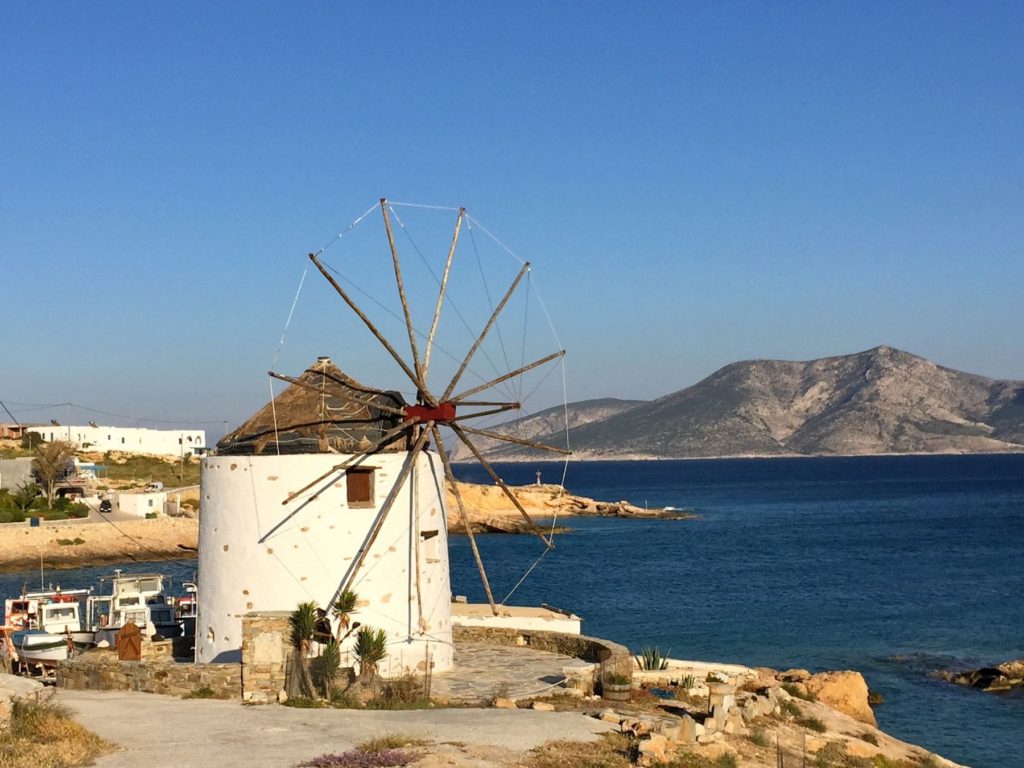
[{"x": 357, "y": 445}]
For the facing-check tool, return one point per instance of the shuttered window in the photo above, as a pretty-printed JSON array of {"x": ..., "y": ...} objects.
[{"x": 360, "y": 487}]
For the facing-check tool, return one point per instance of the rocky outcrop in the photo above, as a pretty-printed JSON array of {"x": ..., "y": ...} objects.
[
  {"x": 1002, "y": 677},
  {"x": 844, "y": 691},
  {"x": 490, "y": 510}
]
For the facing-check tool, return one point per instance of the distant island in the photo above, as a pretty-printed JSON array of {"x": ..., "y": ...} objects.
[{"x": 881, "y": 401}]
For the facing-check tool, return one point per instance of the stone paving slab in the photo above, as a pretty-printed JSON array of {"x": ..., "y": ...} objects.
[{"x": 483, "y": 671}]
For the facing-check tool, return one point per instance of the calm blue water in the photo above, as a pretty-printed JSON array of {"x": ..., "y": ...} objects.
[{"x": 894, "y": 566}]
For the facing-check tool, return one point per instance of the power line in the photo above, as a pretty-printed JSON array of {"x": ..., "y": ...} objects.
[{"x": 81, "y": 407}]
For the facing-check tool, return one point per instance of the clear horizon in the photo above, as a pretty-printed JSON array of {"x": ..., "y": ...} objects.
[{"x": 694, "y": 184}]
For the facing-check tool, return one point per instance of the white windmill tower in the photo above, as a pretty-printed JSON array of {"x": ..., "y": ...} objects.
[{"x": 337, "y": 486}]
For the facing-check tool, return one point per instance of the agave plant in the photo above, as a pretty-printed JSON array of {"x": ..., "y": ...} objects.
[
  {"x": 370, "y": 649},
  {"x": 652, "y": 659},
  {"x": 343, "y": 607}
]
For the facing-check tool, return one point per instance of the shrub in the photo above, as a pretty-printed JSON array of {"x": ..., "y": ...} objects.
[
  {"x": 760, "y": 738},
  {"x": 812, "y": 724},
  {"x": 404, "y": 692},
  {"x": 391, "y": 741},
  {"x": 870, "y": 738},
  {"x": 202, "y": 692},
  {"x": 798, "y": 692},
  {"x": 354, "y": 758}
]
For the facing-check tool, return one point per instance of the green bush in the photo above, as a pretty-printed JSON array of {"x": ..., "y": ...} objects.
[
  {"x": 812, "y": 724},
  {"x": 760, "y": 738}
]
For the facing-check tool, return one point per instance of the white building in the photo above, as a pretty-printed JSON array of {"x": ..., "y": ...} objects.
[
  {"x": 158, "y": 442},
  {"x": 141, "y": 503},
  {"x": 268, "y": 542}
]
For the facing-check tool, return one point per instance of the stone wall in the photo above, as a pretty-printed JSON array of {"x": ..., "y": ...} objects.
[
  {"x": 266, "y": 647},
  {"x": 99, "y": 669},
  {"x": 612, "y": 658}
]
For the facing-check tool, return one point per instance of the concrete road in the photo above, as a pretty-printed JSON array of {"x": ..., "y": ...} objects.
[{"x": 165, "y": 732}]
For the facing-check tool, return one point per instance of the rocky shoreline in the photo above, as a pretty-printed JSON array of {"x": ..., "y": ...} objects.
[{"x": 1002, "y": 677}]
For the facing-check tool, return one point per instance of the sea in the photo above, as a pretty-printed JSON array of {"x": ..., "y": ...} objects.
[{"x": 896, "y": 566}]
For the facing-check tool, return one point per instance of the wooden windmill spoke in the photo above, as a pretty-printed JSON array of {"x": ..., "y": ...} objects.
[
  {"x": 507, "y": 376},
  {"x": 440, "y": 295},
  {"x": 341, "y": 395},
  {"x": 501, "y": 484},
  {"x": 479, "y": 414},
  {"x": 386, "y": 438},
  {"x": 464, "y": 515},
  {"x": 483, "y": 333},
  {"x": 378, "y": 523},
  {"x": 367, "y": 322},
  {"x": 421, "y": 385},
  {"x": 516, "y": 440}
]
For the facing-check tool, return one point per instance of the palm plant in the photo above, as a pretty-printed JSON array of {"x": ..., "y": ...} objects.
[
  {"x": 370, "y": 649},
  {"x": 326, "y": 666},
  {"x": 303, "y": 624},
  {"x": 343, "y": 607}
]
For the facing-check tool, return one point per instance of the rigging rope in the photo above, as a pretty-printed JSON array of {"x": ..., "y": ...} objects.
[
  {"x": 451, "y": 302},
  {"x": 525, "y": 575},
  {"x": 277, "y": 352},
  {"x": 490, "y": 303}
]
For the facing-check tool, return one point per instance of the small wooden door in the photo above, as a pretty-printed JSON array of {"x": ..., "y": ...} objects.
[{"x": 129, "y": 643}]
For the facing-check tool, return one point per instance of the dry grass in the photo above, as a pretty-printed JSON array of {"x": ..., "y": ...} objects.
[
  {"x": 392, "y": 741},
  {"x": 613, "y": 750},
  {"x": 43, "y": 735}
]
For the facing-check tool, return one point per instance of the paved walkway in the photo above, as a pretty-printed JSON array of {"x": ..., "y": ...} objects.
[
  {"x": 483, "y": 672},
  {"x": 165, "y": 732}
]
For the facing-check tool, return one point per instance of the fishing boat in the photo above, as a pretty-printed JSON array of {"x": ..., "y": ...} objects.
[
  {"x": 42, "y": 628},
  {"x": 139, "y": 598}
]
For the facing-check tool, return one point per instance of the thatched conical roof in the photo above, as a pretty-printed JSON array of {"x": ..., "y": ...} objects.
[{"x": 315, "y": 417}]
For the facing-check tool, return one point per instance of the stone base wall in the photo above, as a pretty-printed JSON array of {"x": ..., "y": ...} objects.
[
  {"x": 100, "y": 670},
  {"x": 266, "y": 648},
  {"x": 612, "y": 658}
]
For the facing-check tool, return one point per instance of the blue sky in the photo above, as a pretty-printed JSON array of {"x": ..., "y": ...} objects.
[{"x": 695, "y": 183}]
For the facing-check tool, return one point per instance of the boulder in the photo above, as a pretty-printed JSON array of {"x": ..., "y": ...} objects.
[
  {"x": 653, "y": 750},
  {"x": 844, "y": 691},
  {"x": 542, "y": 706}
]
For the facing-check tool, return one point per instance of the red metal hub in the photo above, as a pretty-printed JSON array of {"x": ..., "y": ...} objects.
[{"x": 444, "y": 413}]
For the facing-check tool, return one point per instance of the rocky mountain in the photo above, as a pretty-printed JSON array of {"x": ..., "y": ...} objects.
[
  {"x": 547, "y": 426},
  {"x": 880, "y": 401}
]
